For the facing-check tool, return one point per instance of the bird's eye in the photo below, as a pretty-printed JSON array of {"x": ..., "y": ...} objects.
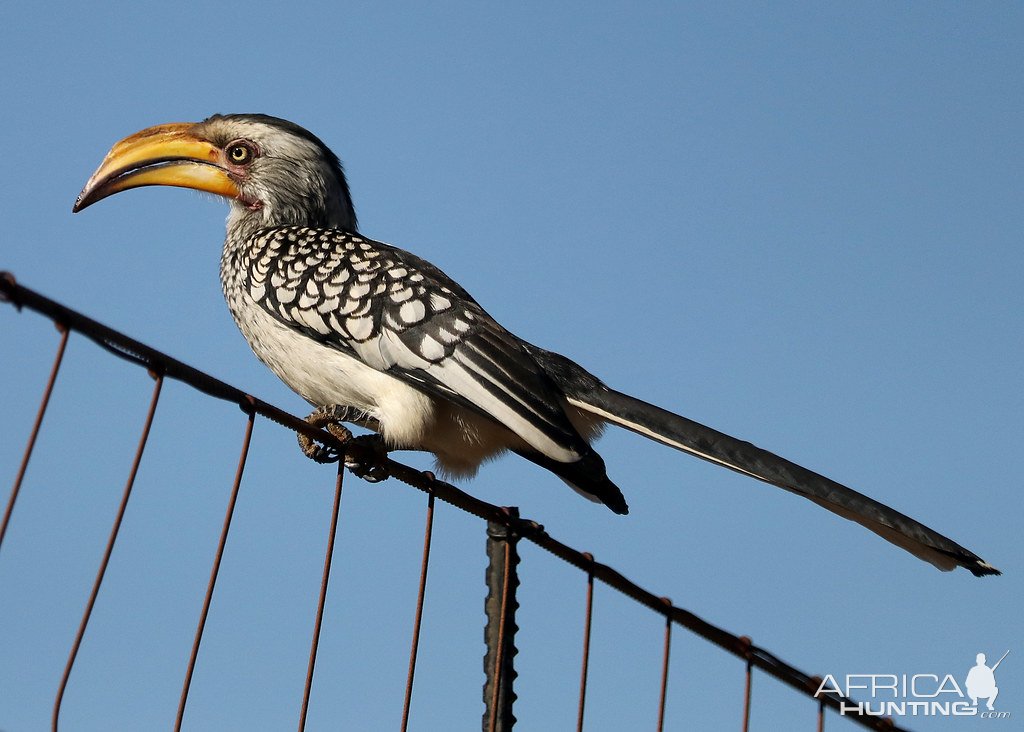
[{"x": 241, "y": 152}]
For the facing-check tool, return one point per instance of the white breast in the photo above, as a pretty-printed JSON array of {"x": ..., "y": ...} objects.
[
  {"x": 325, "y": 376},
  {"x": 461, "y": 439}
]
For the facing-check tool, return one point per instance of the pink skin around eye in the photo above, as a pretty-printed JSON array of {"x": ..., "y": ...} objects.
[{"x": 239, "y": 173}]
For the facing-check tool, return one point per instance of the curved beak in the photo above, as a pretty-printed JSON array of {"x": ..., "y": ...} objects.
[{"x": 165, "y": 155}]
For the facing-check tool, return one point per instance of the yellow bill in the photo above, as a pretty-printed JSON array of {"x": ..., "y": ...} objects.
[{"x": 165, "y": 155}]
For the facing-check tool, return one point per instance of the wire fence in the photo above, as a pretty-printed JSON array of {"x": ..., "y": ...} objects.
[{"x": 505, "y": 527}]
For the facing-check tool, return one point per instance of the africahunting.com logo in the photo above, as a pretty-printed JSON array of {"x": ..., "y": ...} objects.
[{"x": 893, "y": 695}]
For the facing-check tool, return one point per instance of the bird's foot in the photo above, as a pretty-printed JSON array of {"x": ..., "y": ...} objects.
[
  {"x": 329, "y": 418},
  {"x": 373, "y": 470}
]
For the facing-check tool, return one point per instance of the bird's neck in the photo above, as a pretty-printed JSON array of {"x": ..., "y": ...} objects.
[{"x": 244, "y": 221}]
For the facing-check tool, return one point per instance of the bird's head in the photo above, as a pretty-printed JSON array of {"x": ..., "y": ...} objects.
[{"x": 272, "y": 171}]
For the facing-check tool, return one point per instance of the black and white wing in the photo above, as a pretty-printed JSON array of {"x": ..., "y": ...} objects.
[{"x": 398, "y": 314}]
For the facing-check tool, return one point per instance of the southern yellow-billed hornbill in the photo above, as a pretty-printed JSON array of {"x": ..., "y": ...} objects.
[{"x": 377, "y": 336}]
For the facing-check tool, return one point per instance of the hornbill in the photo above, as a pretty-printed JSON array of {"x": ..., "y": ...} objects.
[{"x": 374, "y": 335}]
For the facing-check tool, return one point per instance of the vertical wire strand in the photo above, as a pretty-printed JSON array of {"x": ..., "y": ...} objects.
[
  {"x": 35, "y": 431},
  {"x": 821, "y": 716},
  {"x": 208, "y": 599},
  {"x": 323, "y": 595},
  {"x": 499, "y": 655},
  {"x": 109, "y": 550},
  {"x": 586, "y": 646},
  {"x": 414, "y": 649},
  {"x": 746, "y": 696},
  {"x": 664, "y": 667}
]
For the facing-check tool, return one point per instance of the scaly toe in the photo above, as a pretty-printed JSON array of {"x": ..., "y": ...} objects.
[{"x": 327, "y": 418}]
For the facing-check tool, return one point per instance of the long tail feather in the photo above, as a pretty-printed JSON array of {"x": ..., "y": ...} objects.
[{"x": 704, "y": 442}]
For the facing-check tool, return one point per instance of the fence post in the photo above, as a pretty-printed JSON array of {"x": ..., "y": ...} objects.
[{"x": 500, "y": 631}]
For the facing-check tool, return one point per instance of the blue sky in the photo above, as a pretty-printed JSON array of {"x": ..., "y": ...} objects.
[{"x": 800, "y": 224}]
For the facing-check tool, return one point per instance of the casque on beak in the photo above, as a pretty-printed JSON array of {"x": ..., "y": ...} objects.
[{"x": 165, "y": 155}]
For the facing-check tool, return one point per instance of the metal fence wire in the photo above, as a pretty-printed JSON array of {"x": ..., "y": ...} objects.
[{"x": 504, "y": 529}]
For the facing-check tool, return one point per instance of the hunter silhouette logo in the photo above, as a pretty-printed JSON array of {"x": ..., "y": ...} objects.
[
  {"x": 920, "y": 694},
  {"x": 981, "y": 681}
]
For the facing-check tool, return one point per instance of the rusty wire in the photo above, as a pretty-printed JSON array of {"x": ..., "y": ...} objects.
[
  {"x": 322, "y": 599},
  {"x": 35, "y": 432},
  {"x": 166, "y": 366},
  {"x": 144, "y": 437},
  {"x": 208, "y": 599},
  {"x": 664, "y": 668},
  {"x": 747, "y": 688},
  {"x": 586, "y": 646},
  {"x": 415, "y": 643}
]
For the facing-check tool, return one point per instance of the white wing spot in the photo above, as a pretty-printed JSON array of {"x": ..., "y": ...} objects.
[
  {"x": 447, "y": 336},
  {"x": 359, "y": 290},
  {"x": 412, "y": 311},
  {"x": 431, "y": 349},
  {"x": 349, "y": 307},
  {"x": 341, "y": 276},
  {"x": 359, "y": 328},
  {"x": 328, "y": 305},
  {"x": 328, "y": 290},
  {"x": 439, "y": 303},
  {"x": 311, "y": 319}
]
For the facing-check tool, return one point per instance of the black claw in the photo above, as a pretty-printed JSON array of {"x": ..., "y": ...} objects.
[{"x": 373, "y": 470}]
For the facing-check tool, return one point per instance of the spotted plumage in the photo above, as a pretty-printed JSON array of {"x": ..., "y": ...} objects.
[
  {"x": 372, "y": 304},
  {"x": 337, "y": 284},
  {"x": 372, "y": 332}
]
